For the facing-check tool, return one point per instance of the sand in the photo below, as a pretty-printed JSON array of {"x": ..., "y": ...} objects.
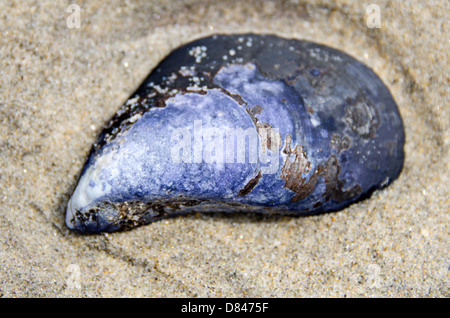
[{"x": 60, "y": 84}]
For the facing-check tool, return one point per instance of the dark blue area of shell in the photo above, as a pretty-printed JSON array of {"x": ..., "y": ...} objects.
[{"x": 244, "y": 122}]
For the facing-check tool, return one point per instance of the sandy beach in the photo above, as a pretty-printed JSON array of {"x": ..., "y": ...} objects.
[{"x": 63, "y": 76}]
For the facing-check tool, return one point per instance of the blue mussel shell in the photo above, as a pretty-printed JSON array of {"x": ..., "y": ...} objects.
[{"x": 243, "y": 122}]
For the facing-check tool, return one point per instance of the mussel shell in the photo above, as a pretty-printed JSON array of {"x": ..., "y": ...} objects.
[{"x": 244, "y": 122}]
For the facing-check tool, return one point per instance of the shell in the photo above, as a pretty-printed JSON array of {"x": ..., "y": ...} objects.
[{"x": 241, "y": 123}]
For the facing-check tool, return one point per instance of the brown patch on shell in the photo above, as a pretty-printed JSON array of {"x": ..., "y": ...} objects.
[
  {"x": 334, "y": 186},
  {"x": 292, "y": 172},
  {"x": 269, "y": 137},
  {"x": 250, "y": 185}
]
